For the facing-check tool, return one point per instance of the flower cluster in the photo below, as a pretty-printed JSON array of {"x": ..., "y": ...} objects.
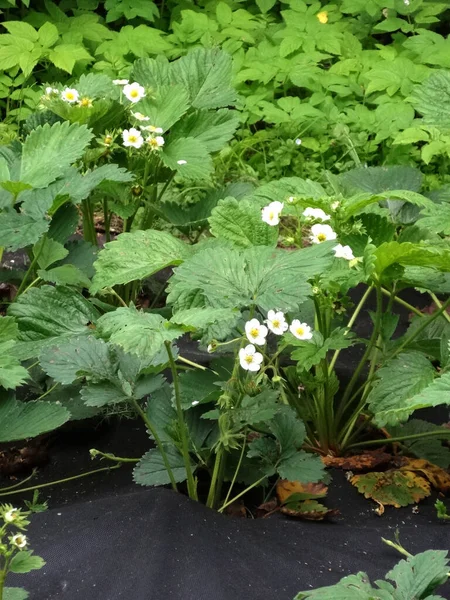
[
  {"x": 257, "y": 332},
  {"x": 14, "y": 517},
  {"x": 69, "y": 95},
  {"x": 133, "y": 137}
]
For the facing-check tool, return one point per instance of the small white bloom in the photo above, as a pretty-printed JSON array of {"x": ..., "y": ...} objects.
[
  {"x": 85, "y": 103},
  {"x": 19, "y": 540},
  {"x": 153, "y": 129},
  {"x": 195, "y": 402},
  {"x": 341, "y": 251},
  {"x": 250, "y": 359},
  {"x": 132, "y": 137},
  {"x": 302, "y": 331},
  {"x": 271, "y": 213},
  {"x": 291, "y": 199},
  {"x": 120, "y": 81},
  {"x": 70, "y": 95},
  {"x": 315, "y": 213},
  {"x": 181, "y": 162},
  {"x": 298, "y": 142},
  {"x": 155, "y": 142},
  {"x": 335, "y": 205},
  {"x": 51, "y": 91},
  {"x": 140, "y": 117},
  {"x": 276, "y": 322},
  {"x": 134, "y": 92},
  {"x": 11, "y": 515},
  {"x": 321, "y": 233},
  {"x": 209, "y": 348},
  {"x": 406, "y": 2},
  {"x": 256, "y": 332}
]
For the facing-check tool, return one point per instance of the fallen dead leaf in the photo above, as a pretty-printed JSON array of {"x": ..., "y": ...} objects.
[
  {"x": 394, "y": 487},
  {"x": 302, "y": 491},
  {"x": 311, "y": 510},
  {"x": 236, "y": 509},
  {"x": 359, "y": 462},
  {"x": 438, "y": 477}
]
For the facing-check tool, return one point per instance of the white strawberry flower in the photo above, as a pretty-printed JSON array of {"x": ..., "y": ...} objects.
[
  {"x": 134, "y": 92},
  {"x": 321, "y": 233},
  {"x": 316, "y": 214},
  {"x": 132, "y": 138},
  {"x": 181, "y": 162},
  {"x": 153, "y": 129},
  {"x": 341, "y": 251},
  {"x": 335, "y": 205},
  {"x": 51, "y": 91},
  {"x": 276, "y": 322},
  {"x": 11, "y": 515},
  {"x": 19, "y": 540},
  {"x": 302, "y": 331},
  {"x": 70, "y": 95},
  {"x": 271, "y": 213},
  {"x": 298, "y": 142},
  {"x": 140, "y": 117},
  {"x": 249, "y": 359},
  {"x": 120, "y": 81},
  {"x": 256, "y": 332},
  {"x": 156, "y": 142}
]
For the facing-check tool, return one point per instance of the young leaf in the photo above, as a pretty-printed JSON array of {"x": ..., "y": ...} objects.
[
  {"x": 12, "y": 374},
  {"x": 25, "y": 561},
  {"x": 212, "y": 129},
  {"x": 47, "y": 315},
  {"x": 65, "y": 275},
  {"x": 166, "y": 105},
  {"x": 64, "y": 143},
  {"x": 241, "y": 223},
  {"x": 20, "y": 420},
  {"x": 151, "y": 470},
  {"x": 137, "y": 332},
  {"x": 15, "y": 594},
  {"x": 137, "y": 255},
  {"x": 48, "y": 251}
]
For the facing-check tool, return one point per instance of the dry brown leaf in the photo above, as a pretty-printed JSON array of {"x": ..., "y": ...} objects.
[
  {"x": 311, "y": 510},
  {"x": 236, "y": 509},
  {"x": 306, "y": 491},
  {"x": 360, "y": 462},
  {"x": 438, "y": 477},
  {"x": 394, "y": 487}
]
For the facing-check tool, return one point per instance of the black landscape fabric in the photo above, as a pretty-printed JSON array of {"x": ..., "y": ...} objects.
[{"x": 156, "y": 544}]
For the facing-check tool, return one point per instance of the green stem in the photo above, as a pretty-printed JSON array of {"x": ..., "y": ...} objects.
[
  {"x": 397, "y": 547},
  {"x": 192, "y": 487},
  {"x": 2, "y": 582},
  {"x": 233, "y": 481},
  {"x": 350, "y": 325},
  {"x": 49, "y": 391},
  {"x": 192, "y": 363},
  {"x": 58, "y": 481},
  {"x": 250, "y": 487},
  {"x": 211, "y": 500},
  {"x": 152, "y": 430},
  {"x": 118, "y": 459},
  {"x": 410, "y": 307},
  {"x": 401, "y": 438},
  {"x": 29, "y": 271},
  {"x": 439, "y": 305},
  {"x": 20, "y": 484}
]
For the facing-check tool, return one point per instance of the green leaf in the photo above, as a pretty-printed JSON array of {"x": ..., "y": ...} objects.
[
  {"x": 64, "y": 143},
  {"x": 206, "y": 76},
  {"x": 18, "y": 230},
  {"x": 436, "y": 218},
  {"x": 397, "y": 385},
  {"x": 166, "y": 105},
  {"x": 48, "y": 35},
  {"x": 284, "y": 188},
  {"x": 8, "y": 329},
  {"x": 97, "y": 395},
  {"x": 198, "y": 161},
  {"x": 48, "y": 252},
  {"x": 20, "y": 29},
  {"x": 212, "y": 129},
  {"x": 241, "y": 223},
  {"x": 137, "y": 255},
  {"x": 229, "y": 278},
  {"x": 301, "y": 466},
  {"x": 65, "y": 275},
  {"x": 15, "y": 594},
  {"x": 64, "y": 56},
  {"x": 310, "y": 352},
  {"x": 84, "y": 356},
  {"x": 12, "y": 374},
  {"x": 419, "y": 575},
  {"x": 408, "y": 254},
  {"x": 47, "y": 315},
  {"x": 151, "y": 470},
  {"x": 432, "y": 99},
  {"x": 25, "y": 561},
  {"x": 137, "y": 332},
  {"x": 198, "y": 386},
  {"x": 355, "y": 204},
  {"x": 20, "y": 420},
  {"x": 429, "y": 448},
  {"x": 201, "y": 318},
  {"x": 376, "y": 180},
  {"x": 257, "y": 409}
]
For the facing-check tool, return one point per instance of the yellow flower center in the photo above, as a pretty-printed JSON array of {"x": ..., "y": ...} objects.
[
  {"x": 153, "y": 143},
  {"x": 271, "y": 215},
  {"x": 85, "y": 102},
  {"x": 300, "y": 330},
  {"x": 276, "y": 323},
  {"x": 134, "y": 93},
  {"x": 322, "y": 237},
  {"x": 254, "y": 332},
  {"x": 70, "y": 96},
  {"x": 132, "y": 138},
  {"x": 249, "y": 359},
  {"x": 323, "y": 17}
]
